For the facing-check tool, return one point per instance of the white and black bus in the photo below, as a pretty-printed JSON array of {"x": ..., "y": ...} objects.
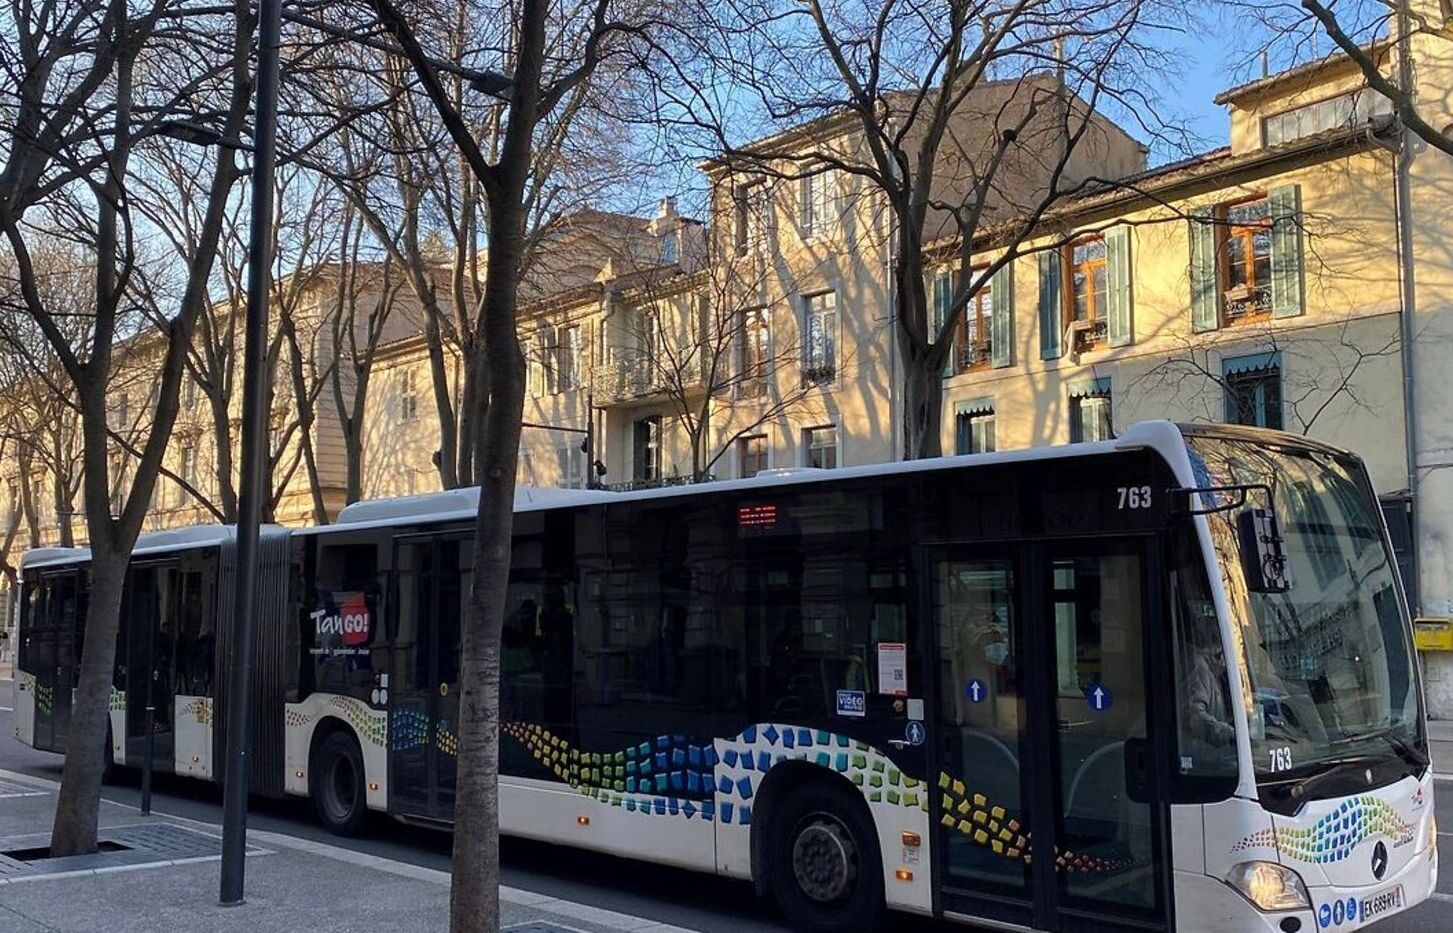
[{"x": 1095, "y": 687}]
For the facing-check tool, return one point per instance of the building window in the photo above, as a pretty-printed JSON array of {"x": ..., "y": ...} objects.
[
  {"x": 670, "y": 247},
  {"x": 189, "y": 390},
  {"x": 1246, "y": 259},
  {"x": 976, "y": 346},
  {"x": 1087, "y": 289},
  {"x": 568, "y": 349},
  {"x": 1090, "y": 413},
  {"x": 974, "y": 430},
  {"x": 752, "y": 454},
  {"x": 820, "y": 447},
  {"x": 819, "y": 364},
  {"x": 534, "y": 367},
  {"x": 1349, "y": 109},
  {"x": 408, "y": 396},
  {"x": 649, "y": 337},
  {"x": 571, "y": 461},
  {"x": 754, "y": 349},
  {"x": 1253, "y": 390},
  {"x": 815, "y": 203},
  {"x": 646, "y": 447},
  {"x": 754, "y": 217},
  {"x": 123, "y": 412}
]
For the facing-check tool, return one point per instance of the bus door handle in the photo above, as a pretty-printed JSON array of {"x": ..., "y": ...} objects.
[{"x": 1137, "y": 770}]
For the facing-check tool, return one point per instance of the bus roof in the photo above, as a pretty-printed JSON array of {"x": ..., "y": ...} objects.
[
  {"x": 462, "y": 504},
  {"x": 1164, "y": 437}
]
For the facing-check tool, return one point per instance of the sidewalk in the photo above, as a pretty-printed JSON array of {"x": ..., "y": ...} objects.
[
  {"x": 166, "y": 879},
  {"x": 1440, "y": 746}
]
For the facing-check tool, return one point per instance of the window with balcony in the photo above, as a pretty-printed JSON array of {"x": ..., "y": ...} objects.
[
  {"x": 752, "y": 454},
  {"x": 974, "y": 348},
  {"x": 1090, "y": 414},
  {"x": 570, "y": 460},
  {"x": 1349, "y": 109},
  {"x": 819, "y": 357},
  {"x": 1087, "y": 290},
  {"x": 819, "y": 447},
  {"x": 569, "y": 358},
  {"x": 754, "y": 352},
  {"x": 408, "y": 396},
  {"x": 1246, "y": 260},
  {"x": 1253, "y": 390},
  {"x": 646, "y": 450}
]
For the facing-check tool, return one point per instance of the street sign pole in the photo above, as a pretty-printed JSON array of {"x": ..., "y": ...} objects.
[{"x": 254, "y": 455}]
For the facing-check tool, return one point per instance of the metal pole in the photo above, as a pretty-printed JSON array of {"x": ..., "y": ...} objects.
[
  {"x": 591, "y": 480},
  {"x": 254, "y": 454},
  {"x": 1408, "y": 286}
]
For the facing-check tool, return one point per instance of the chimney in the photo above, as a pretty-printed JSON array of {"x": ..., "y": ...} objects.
[{"x": 666, "y": 210}]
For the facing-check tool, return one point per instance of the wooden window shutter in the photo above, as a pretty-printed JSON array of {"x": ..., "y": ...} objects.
[
  {"x": 1286, "y": 251},
  {"x": 1051, "y": 287},
  {"x": 1001, "y": 305},
  {"x": 1120, "y": 328},
  {"x": 1205, "y": 302}
]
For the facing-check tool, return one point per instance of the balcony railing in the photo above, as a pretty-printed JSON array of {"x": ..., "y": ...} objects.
[
  {"x": 1246, "y": 301},
  {"x": 974, "y": 355},
  {"x": 637, "y": 377},
  {"x": 1090, "y": 334}
]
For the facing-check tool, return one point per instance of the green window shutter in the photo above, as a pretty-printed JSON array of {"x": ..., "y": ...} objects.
[
  {"x": 1286, "y": 250},
  {"x": 1051, "y": 284},
  {"x": 943, "y": 296},
  {"x": 1120, "y": 330},
  {"x": 1001, "y": 306},
  {"x": 1205, "y": 303}
]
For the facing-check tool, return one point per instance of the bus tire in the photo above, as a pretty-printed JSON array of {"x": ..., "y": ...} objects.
[
  {"x": 823, "y": 863},
  {"x": 336, "y": 784}
]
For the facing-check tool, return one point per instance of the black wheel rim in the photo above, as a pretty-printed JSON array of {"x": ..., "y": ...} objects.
[
  {"x": 824, "y": 858},
  {"x": 342, "y": 793}
]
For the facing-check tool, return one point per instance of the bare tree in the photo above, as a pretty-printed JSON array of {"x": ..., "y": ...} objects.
[
  {"x": 964, "y": 122},
  {"x": 85, "y": 94},
  {"x": 552, "y": 53}
]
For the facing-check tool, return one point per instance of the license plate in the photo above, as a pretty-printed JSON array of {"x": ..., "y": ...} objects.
[{"x": 1383, "y": 902}]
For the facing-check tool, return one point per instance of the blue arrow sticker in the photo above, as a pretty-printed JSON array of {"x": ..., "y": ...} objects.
[
  {"x": 914, "y": 733},
  {"x": 976, "y": 690},
  {"x": 1099, "y": 698}
]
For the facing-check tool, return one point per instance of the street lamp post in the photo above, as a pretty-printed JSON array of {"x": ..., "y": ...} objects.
[{"x": 235, "y": 784}]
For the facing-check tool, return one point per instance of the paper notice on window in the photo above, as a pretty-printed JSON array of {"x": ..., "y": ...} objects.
[{"x": 893, "y": 668}]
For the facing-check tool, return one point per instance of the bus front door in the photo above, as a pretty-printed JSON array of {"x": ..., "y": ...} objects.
[
  {"x": 1043, "y": 739},
  {"x": 430, "y": 596}
]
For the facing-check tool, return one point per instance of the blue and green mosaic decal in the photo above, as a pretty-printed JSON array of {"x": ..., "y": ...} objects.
[
  {"x": 44, "y": 697},
  {"x": 1334, "y": 836},
  {"x": 664, "y": 777}
]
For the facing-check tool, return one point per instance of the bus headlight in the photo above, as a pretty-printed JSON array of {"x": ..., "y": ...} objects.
[{"x": 1270, "y": 886}]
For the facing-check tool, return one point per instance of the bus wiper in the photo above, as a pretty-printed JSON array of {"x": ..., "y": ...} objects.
[
  {"x": 1405, "y": 750},
  {"x": 1300, "y": 788}
]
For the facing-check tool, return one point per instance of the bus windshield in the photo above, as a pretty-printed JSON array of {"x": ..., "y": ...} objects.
[{"x": 1325, "y": 657}]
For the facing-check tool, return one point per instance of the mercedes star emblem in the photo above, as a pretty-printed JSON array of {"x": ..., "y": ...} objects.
[{"x": 1379, "y": 861}]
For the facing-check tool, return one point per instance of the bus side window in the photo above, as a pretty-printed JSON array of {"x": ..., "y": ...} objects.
[{"x": 1205, "y": 730}]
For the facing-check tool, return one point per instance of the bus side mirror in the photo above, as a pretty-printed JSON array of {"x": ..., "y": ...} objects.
[{"x": 1263, "y": 551}]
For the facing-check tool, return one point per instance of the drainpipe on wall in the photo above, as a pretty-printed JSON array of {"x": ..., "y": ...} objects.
[{"x": 1406, "y": 287}]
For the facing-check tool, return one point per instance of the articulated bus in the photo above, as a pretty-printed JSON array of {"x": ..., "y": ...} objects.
[{"x": 1160, "y": 682}]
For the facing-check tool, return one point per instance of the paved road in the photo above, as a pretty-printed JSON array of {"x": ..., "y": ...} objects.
[{"x": 680, "y": 898}]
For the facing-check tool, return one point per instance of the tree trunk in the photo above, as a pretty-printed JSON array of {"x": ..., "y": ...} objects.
[
  {"x": 474, "y": 895},
  {"x": 922, "y": 405},
  {"x": 74, "y": 829}
]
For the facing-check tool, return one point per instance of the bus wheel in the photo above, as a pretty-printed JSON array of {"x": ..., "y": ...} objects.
[
  {"x": 824, "y": 867},
  {"x": 336, "y": 784}
]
